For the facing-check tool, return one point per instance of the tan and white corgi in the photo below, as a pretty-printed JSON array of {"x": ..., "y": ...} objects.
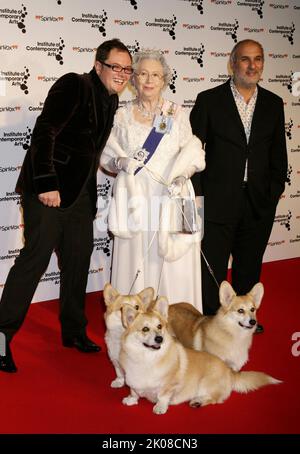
[
  {"x": 114, "y": 326},
  {"x": 159, "y": 368},
  {"x": 228, "y": 334}
]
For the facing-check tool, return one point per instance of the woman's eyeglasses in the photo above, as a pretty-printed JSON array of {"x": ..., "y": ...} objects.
[
  {"x": 144, "y": 75},
  {"x": 118, "y": 69}
]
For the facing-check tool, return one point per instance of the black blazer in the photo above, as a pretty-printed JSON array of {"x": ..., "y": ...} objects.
[
  {"x": 68, "y": 138},
  {"x": 215, "y": 120}
]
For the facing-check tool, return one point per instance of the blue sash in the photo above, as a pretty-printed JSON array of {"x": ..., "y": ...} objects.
[{"x": 150, "y": 145}]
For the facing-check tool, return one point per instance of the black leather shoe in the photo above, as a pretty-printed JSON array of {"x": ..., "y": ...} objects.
[
  {"x": 7, "y": 363},
  {"x": 82, "y": 343},
  {"x": 259, "y": 329}
]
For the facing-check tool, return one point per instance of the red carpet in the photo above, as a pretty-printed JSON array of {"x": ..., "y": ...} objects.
[{"x": 59, "y": 390}]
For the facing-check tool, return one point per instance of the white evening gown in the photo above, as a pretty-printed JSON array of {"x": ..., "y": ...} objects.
[{"x": 178, "y": 280}]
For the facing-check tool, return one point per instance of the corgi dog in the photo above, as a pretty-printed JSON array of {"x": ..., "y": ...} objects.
[
  {"x": 228, "y": 334},
  {"x": 158, "y": 367},
  {"x": 114, "y": 327}
]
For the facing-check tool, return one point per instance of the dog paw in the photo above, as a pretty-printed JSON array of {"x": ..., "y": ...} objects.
[
  {"x": 130, "y": 400},
  {"x": 160, "y": 409},
  {"x": 117, "y": 382}
]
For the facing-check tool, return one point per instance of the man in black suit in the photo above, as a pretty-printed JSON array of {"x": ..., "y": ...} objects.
[
  {"x": 59, "y": 194},
  {"x": 242, "y": 127}
]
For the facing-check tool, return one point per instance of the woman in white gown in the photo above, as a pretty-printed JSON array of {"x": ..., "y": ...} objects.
[{"x": 154, "y": 152}]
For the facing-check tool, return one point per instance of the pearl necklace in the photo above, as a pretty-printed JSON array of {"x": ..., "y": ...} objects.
[{"x": 148, "y": 114}]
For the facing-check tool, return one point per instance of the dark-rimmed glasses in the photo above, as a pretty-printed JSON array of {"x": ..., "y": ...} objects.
[{"x": 117, "y": 68}]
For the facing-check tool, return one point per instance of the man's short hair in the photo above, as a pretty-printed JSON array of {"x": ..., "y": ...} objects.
[{"x": 104, "y": 49}]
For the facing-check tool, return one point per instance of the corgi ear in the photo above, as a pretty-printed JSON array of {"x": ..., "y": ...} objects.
[
  {"x": 257, "y": 293},
  {"x": 128, "y": 315},
  {"x": 226, "y": 293},
  {"x": 162, "y": 306},
  {"x": 109, "y": 293},
  {"x": 146, "y": 295}
]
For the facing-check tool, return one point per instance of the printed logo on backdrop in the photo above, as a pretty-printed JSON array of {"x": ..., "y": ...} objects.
[
  {"x": 221, "y": 2},
  {"x": 286, "y": 80},
  {"x": 133, "y": 3},
  {"x": 9, "y": 169},
  {"x": 216, "y": 54},
  {"x": 172, "y": 84},
  {"x": 196, "y": 3},
  {"x": 50, "y": 49},
  {"x": 219, "y": 79},
  {"x": 84, "y": 49},
  {"x": 295, "y": 195},
  {"x": 255, "y": 5},
  {"x": 196, "y": 27},
  {"x": 17, "y": 138},
  {"x": 195, "y": 53},
  {"x": 254, "y": 30},
  {"x": 53, "y": 277},
  {"x": 164, "y": 24},
  {"x": 10, "y": 109},
  {"x": 16, "y": 79},
  {"x": 95, "y": 270},
  {"x": 276, "y": 243},
  {"x": 7, "y": 228},
  {"x": 285, "y": 31},
  {"x": 188, "y": 103},
  {"x": 43, "y": 18},
  {"x": 8, "y": 47},
  {"x": 93, "y": 20},
  {"x": 11, "y": 197},
  {"x": 284, "y": 220},
  {"x": 128, "y": 23},
  {"x": 295, "y": 150},
  {"x": 296, "y": 103},
  {"x": 134, "y": 48},
  {"x": 288, "y": 175},
  {"x": 229, "y": 28},
  {"x": 137, "y": 46},
  {"x": 103, "y": 244},
  {"x": 193, "y": 79},
  {"x": 279, "y": 6},
  {"x": 288, "y": 129},
  {"x": 10, "y": 254},
  {"x": 103, "y": 200},
  {"x": 47, "y": 79},
  {"x": 15, "y": 16},
  {"x": 295, "y": 239},
  {"x": 37, "y": 108},
  {"x": 277, "y": 56}
]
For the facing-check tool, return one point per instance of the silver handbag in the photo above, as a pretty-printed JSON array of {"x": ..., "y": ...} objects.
[{"x": 183, "y": 216}]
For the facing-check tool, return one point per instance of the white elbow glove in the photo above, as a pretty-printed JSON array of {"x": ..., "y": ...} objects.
[
  {"x": 176, "y": 186},
  {"x": 129, "y": 165}
]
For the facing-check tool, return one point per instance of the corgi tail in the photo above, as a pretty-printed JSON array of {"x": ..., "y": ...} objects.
[{"x": 244, "y": 382}]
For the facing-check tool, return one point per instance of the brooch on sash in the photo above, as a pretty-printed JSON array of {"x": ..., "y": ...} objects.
[
  {"x": 163, "y": 122},
  {"x": 140, "y": 155}
]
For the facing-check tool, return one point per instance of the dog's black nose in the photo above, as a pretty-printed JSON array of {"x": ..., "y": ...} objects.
[
  {"x": 158, "y": 339},
  {"x": 252, "y": 322}
]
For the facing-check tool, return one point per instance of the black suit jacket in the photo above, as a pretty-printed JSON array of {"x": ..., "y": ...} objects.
[
  {"x": 68, "y": 138},
  {"x": 215, "y": 120}
]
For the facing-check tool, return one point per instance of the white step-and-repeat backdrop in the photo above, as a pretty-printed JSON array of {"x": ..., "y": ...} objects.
[{"x": 42, "y": 40}]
